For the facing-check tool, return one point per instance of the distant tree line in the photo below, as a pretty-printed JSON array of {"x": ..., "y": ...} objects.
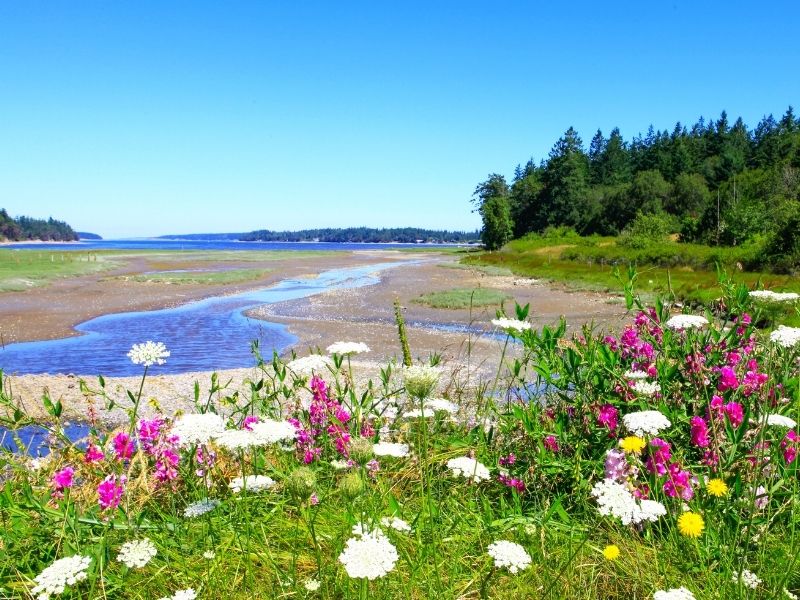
[
  {"x": 407, "y": 235},
  {"x": 27, "y": 228},
  {"x": 714, "y": 182}
]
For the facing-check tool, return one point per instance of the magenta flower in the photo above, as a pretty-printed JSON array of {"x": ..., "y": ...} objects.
[
  {"x": 679, "y": 483},
  {"x": 507, "y": 461},
  {"x": 61, "y": 481},
  {"x": 123, "y": 446},
  {"x": 735, "y": 413},
  {"x": 249, "y": 421},
  {"x": 727, "y": 379},
  {"x": 93, "y": 454},
  {"x": 512, "y": 482},
  {"x": 149, "y": 432},
  {"x": 109, "y": 492},
  {"x": 617, "y": 466},
  {"x": 660, "y": 454},
  {"x": 551, "y": 443},
  {"x": 608, "y": 417},
  {"x": 699, "y": 432},
  {"x": 789, "y": 446}
]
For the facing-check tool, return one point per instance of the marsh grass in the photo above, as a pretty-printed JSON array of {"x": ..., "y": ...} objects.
[
  {"x": 460, "y": 298},
  {"x": 26, "y": 269},
  {"x": 202, "y": 277}
]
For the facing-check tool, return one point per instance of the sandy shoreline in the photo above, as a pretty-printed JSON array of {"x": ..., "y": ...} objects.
[{"x": 462, "y": 337}]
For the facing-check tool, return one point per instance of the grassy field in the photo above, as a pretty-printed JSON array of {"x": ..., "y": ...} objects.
[
  {"x": 463, "y": 298},
  {"x": 25, "y": 269},
  {"x": 209, "y": 277}
]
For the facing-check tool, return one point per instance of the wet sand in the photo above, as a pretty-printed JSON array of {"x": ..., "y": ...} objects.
[{"x": 462, "y": 337}]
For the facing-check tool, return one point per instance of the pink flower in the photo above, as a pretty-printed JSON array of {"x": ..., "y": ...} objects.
[
  {"x": 617, "y": 467},
  {"x": 109, "y": 492},
  {"x": 249, "y": 421},
  {"x": 93, "y": 454},
  {"x": 313, "y": 499},
  {"x": 735, "y": 413},
  {"x": 789, "y": 446},
  {"x": 679, "y": 483},
  {"x": 727, "y": 379},
  {"x": 551, "y": 443},
  {"x": 62, "y": 480},
  {"x": 507, "y": 461},
  {"x": 123, "y": 446},
  {"x": 608, "y": 417},
  {"x": 149, "y": 432},
  {"x": 699, "y": 432},
  {"x": 660, "y": 454},
  {"x": 512, "y": 482}
]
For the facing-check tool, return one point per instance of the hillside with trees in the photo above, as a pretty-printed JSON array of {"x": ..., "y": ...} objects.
[
  {"x": 27, "y": 228},
  {"x": 715, "y": 183},
  {"x": 407, "y": 235}
]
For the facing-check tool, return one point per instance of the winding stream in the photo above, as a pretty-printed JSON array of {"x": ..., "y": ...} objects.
[{"x": 205, "y": 335}]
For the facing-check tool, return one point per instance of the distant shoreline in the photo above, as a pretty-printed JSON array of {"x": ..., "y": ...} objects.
[{"x": 26, "y": 242}]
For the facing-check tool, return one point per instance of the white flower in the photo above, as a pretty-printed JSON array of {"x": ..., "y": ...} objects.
[
  {"x": 396, "y": 523},
  {"x": 344, "y": 348},
  {"x": 148, "y": 354},
  {"x": 308, "y": 365},
  {"x": 680, "y": 593},
  {"x": 251, "y": 483},
  {"x": 781, "y": 421},
  {"x": 510, "y": 555},
  {"x": 636, "y": 375},
  {"x": 789, "y": 594},
  {"x": 62, "y": 573},
  {"x": 137, "y": 553},
  {"x": 370, "y": 555},
  {"x": 420, "y": 380},
  {"x": 747, "y": 578},
  {"x": 209, "y": 555},
  {"x": 770, "y": 296},
  {"x": 390, "y": 449},
  {"x": 646, "y": 388},
  {"x": 340, "y": 465},
  {"x": 440, "y": 404},
  {"x": 785, "y": 336},
  {"x": 511, "y": 325},
  {"x": 416, "y": 413},
  {"x": 187, "y": 594},
  {"x": 312, "y": 585},
  {"x": 470, "y": 468},
  {"x": 649, "y": 422},
  {"x": 680, "y": 322},
  {"x": 614, "y": 499},
  {"x": 263, "y": 433},
  {"x": 197, "y": 428},
  {"x": 201, "y": 507}
]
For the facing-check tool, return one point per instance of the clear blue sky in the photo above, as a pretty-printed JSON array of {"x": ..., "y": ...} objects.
[{"x": 145, "y": 118}]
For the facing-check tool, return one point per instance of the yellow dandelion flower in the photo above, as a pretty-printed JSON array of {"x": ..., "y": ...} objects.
[
  {"x": 611, "y": 552},
  {"x": 691, "y": 524},
  {"x": 717, "y": 487},
  {"x": 632, "y": 444}
]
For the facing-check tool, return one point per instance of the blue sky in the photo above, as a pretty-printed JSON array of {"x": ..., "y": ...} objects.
[{"x": 147, "y": 118}]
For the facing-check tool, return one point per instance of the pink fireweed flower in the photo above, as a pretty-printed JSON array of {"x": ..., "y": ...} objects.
[
  {"x": 149, "y": 432},
  {"x": 727, "y": 379},
  {"x": 611, "y": 342},
  {"x": 313, "y": 499},
  {"x": 109, "y": 492},
  {"x": 507, "y": 461},
  {"x": 93, "y": 454},
  {"x": 123, "y": 446},
  {"x": 679, "y": 483},
  {"x": 249, "y": 421},
  {"x": 512, "y": 482},
  {"x": 660, "y": 454},
  {"x": 617, "y": 466},
  {"x": 753, "y": 380},
  {"x": 733, "y": 358},
  {"x": 551, "y": 443},
  {"x": 368, "y": 429},
  {"x": 61, "y": 481},
  {"x": 735, "y": 413},
  {"x": 699, "y": 432},
  {"x": 789, "y": 446},
  {"x": 608, "y": 417},
  {"x": 373, "y": 467}
]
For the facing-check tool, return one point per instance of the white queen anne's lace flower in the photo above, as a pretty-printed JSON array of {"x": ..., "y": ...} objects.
[
  {"x": 308, "y": 365},
  {"x": 510, "y": 555},
  {"x": 440, "y": 404},
  {"x": 370, "y": 555},
  {"x": 187, "y": 594},
  {"x": 396, "y": 523},
  {"x": 62, "y": 573},
  {"x": 390, "y": 449},
  {"x": 635, "y": 375},
  {"x": 646, "y": 422},
  {"x": 345, "y": 348},
  {"x": 747, "y": 578},
  {"x": 646, "y": 388},
  {"x": 251, "y": 483},
  {"x": 137, "y": 553},
  {"x": 680, "y": 593},
  {"x": 781, "y": 421},
  {"x": 511, "y": 325},
  {"x": 785, "y": 336},
  {"x": 421, "y": 380},
  {"x": 416, "y": 413},
  {"x": 196, "y": 428},
  {"x": 312, "y": 585},
  {"x": 614, "y": 499},
  {"x": 680, "y": 322},
  {"x": 148, "y": 354},
  {"x": 464, "y": 466},
  {"x": 770, "y": 296},
  {"x": 262, "y": 433},
  {"x": 201, "y": 507}
]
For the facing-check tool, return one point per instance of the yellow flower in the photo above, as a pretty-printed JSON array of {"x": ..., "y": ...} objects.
[
  {"x": 691, "y": 524},
  {"x": 632, "y": 444},
  {"x": 717, "y": 487},
  {"x": 611, "y": 552}
]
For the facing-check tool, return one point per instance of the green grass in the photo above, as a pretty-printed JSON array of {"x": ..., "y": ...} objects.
[
  {"x": 26, "y": 269},
  {"x": 485, "y": 269},
  {"x": 463, "y": 298},
  {"x": 203, "y": 277}
]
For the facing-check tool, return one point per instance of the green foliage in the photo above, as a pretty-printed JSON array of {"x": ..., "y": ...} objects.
[
  {"x": 497, "y": 226},
  {"x": 463, "y": 298},
  {"x": 27, "y": 228},
  {"x": 409, "y": 235},
  {"x": 647, "y": 229}
]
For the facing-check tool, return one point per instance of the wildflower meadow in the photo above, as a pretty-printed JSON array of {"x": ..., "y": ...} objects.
[{"x": 658, "y": 461}]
